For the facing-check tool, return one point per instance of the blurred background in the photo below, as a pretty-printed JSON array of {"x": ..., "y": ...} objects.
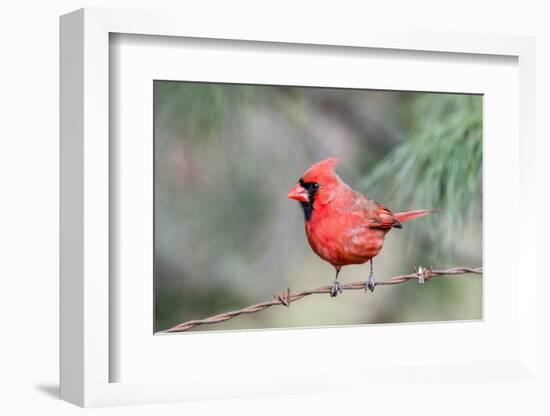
[{"x": 226, "y": 236}]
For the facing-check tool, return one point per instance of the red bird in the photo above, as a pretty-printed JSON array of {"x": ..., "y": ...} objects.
[{"x": 343, "y": 226}]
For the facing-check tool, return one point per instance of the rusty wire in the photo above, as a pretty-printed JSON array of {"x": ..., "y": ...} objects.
[{"x": 421, "y": 275}]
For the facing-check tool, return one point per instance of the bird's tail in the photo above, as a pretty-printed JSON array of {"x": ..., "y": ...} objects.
[{"x": 412, "y": 214}]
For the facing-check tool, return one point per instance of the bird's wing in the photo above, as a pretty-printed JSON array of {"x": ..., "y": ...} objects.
[
  {"x": 375, "y": 215},
  {"x": 385, "y": 218}
]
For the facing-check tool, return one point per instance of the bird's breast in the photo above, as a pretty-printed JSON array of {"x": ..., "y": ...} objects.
[{"x": 343, "y": 239}]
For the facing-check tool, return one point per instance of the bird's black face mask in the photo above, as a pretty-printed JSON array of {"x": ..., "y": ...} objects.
[{"x": 307, "y": 206}]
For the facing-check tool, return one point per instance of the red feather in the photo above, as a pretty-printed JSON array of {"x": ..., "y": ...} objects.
[{"x": 404, "y": 216}]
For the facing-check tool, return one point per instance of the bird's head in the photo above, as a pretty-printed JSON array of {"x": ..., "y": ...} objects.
[{"x": 318, "y": 184}]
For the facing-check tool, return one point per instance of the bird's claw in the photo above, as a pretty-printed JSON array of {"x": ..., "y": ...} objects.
[
  {"x": 371, "y": 284},
  {"x": 335, "y": 289}
]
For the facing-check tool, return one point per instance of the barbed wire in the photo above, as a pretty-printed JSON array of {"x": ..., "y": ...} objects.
[{"x": 420, "y": 274}]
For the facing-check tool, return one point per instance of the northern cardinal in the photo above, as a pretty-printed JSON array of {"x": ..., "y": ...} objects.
[{"x": 343, "y": 226}]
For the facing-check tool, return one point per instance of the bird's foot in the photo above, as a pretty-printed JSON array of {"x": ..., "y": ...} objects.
[
  {"x": 371, "y": 284},
  {"x": 335, "y": 289}
]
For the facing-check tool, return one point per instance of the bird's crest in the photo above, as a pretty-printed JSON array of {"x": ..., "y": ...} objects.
[{"x": 323, "y": 169}]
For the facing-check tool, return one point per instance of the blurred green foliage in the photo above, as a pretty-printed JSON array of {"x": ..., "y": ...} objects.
[{"x": 439, "y": 166}]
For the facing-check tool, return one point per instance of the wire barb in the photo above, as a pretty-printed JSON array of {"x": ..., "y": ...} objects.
[
  {"x": 423, "y": 274},
  {"x": 285, "y": 298},
  {"x": 420, "y": 274}
]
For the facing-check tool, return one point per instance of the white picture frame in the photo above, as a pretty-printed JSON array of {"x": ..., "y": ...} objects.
[{"x": 86, "y": 351}]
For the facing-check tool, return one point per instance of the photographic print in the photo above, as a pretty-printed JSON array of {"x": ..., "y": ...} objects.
[{"x": 287, "y": 206}]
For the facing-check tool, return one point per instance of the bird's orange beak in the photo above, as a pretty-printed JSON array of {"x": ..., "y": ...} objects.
[{"x": 298, "y": 193}]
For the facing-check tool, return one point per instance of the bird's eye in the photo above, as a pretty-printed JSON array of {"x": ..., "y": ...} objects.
[{"x": 314, "y": 186}]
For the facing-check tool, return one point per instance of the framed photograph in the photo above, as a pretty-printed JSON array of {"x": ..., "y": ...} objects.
[{"x": 239, "y": 206}]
